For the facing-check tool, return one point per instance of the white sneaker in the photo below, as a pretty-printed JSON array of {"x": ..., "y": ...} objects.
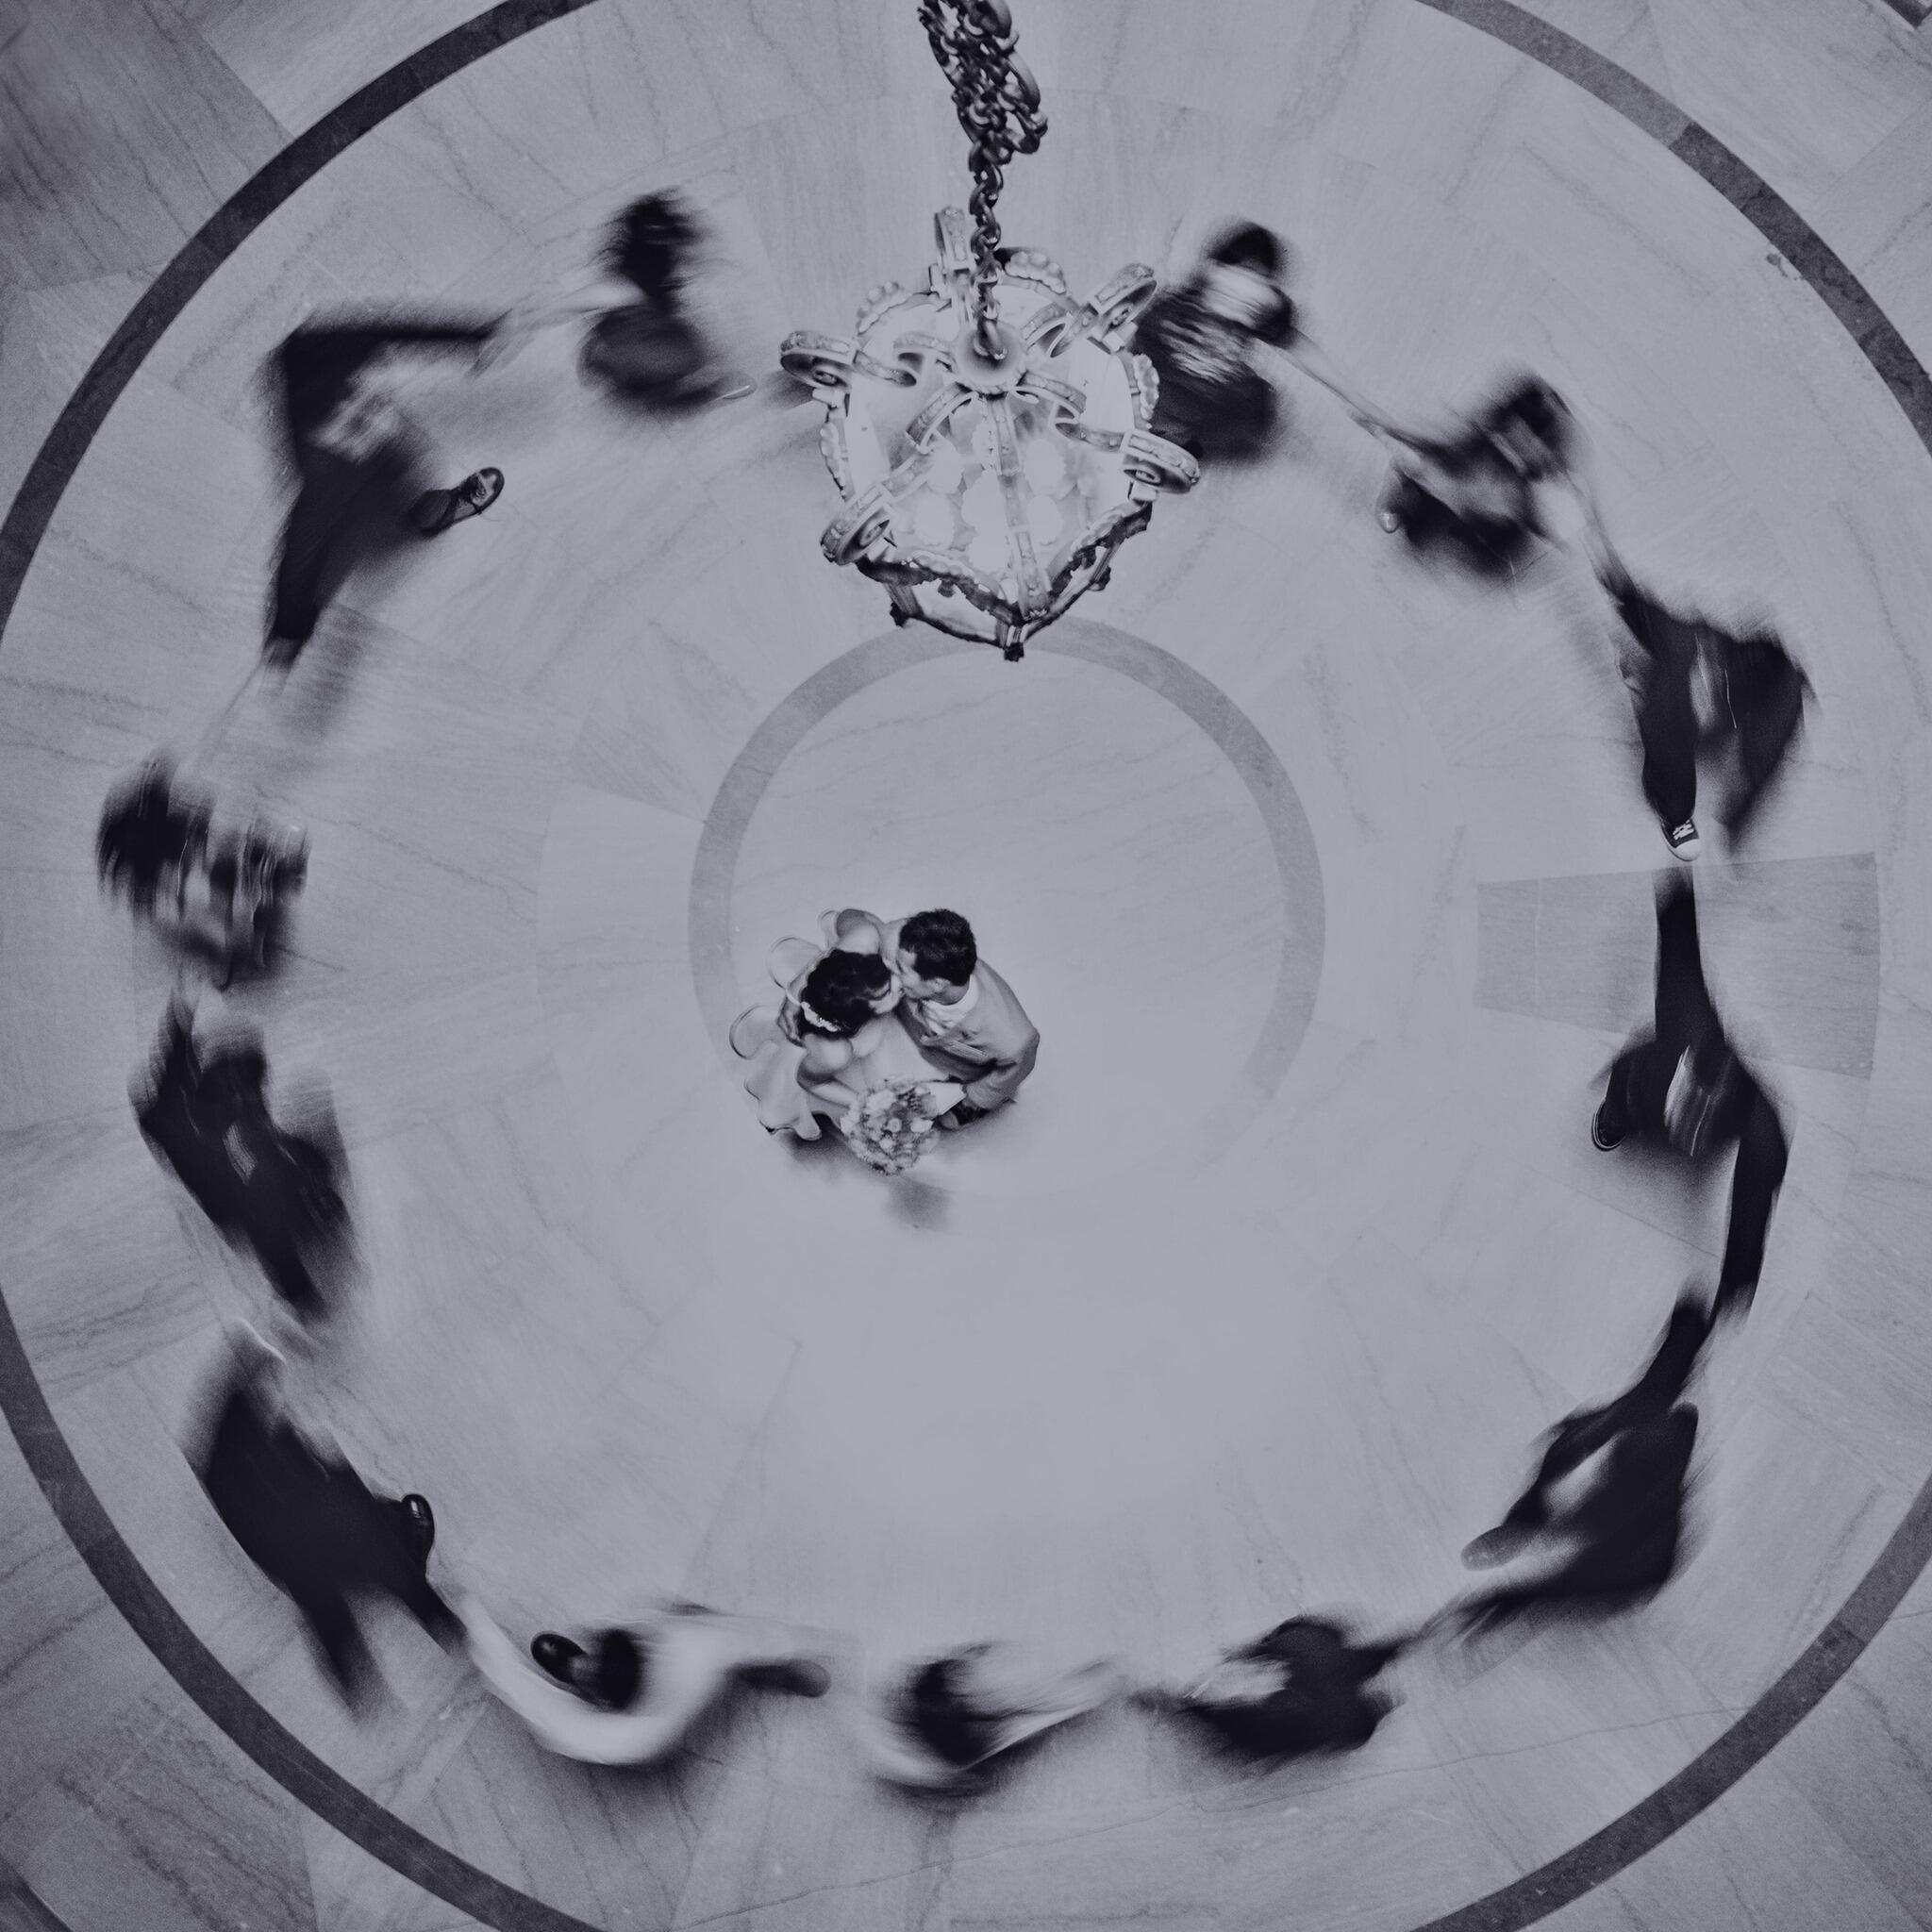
[{"x": 1683, "y": 840}]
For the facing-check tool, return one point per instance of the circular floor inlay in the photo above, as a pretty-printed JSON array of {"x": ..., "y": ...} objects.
[{"x": 1041, "y": 800}]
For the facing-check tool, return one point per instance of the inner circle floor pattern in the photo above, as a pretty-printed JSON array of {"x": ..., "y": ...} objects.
[{"x": 1448, "y": 1268}]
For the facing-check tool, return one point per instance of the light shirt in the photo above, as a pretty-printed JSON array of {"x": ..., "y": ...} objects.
[{"x": 944, "y": 1015}]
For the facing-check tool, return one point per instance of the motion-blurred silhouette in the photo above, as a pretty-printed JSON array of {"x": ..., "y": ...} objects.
[
  {"x": 1601, "y": 1525},
  {"x": 215, "y": 889},
  {"x": 309, "y": 1522},
  {"x": 651, "y": 350},
  {"x": 1302, "y": 1687},
  {"x": 361, "y": 469},
  {"x": 941, "y": 1723},
  {"x": 275, "y": 1192},
  {"x": 1210, "y": 338},
  {"x": 1735, "y": 697},
  {"x": 1475, "y": 488}
]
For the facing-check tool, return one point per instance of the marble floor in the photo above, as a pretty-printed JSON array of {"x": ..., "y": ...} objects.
[{"x": 1325, "y": 872}]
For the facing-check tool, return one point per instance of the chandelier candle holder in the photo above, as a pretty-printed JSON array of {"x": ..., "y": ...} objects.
[{"x": 990, "y": 434}]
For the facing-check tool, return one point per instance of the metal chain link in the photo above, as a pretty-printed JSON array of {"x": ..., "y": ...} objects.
[{"x": 998, "y": 105}]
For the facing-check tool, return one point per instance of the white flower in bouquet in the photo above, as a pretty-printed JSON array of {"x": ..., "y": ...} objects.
[{"x": 890, "y": 1127}]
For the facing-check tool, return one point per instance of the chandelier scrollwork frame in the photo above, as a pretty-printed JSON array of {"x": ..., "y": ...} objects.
[{"x": 998, "y": 491}]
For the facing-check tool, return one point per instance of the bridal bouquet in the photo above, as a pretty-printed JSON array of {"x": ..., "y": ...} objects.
[{"x": 893, "y": 1125}]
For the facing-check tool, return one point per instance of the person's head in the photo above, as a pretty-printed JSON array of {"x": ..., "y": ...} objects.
[
  {"x": 1249, "y": 245},
  {"x": 936, "y": 953},
  {"x": 844, "y": 990},
  {"x": 1532, "y": 421},
  {"x": 649, "y": 242},
  {"x": 138, "y": 836}
]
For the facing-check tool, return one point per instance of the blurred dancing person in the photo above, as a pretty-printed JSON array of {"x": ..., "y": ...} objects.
[
  {"x": 1738, "y": 695},
  {"x": 650, "y": 349},
  {"x": 275, "y": 1192},
  {"x": 1303, "y": 1687},
  {"x": 1207, "y": 338},
  {"x": 1479, "y": 486},
  {"x": 629, "y": 1694},
  {"x": 361, "y": 469},
  {"x": 1684, "y": 1088},
  {"x": 220, "y": 891},
  {"x": 148, "y": 829},
  {"x": 310, "y": 1524},
  {"x": 940, "y": 1726},
  {"x": 1601, "y": 1525}
]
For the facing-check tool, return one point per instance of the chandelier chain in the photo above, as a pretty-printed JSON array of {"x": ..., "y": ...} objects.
[{"x": 998, "y": 105}]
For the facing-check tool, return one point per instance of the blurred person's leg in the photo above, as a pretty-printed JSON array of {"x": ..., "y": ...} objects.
[
  {"x": 1762, "y": 1156},
  {"x": 1667, "y": 726},
  {"x": 1685, "y": 1015},
  {"x": 311, "y": 561},
  {"x": 1765, "y": 734},
  {"x": 345, "y": 1651}
]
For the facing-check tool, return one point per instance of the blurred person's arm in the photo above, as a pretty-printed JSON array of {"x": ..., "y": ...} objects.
[{"x": 1316, "y": 363}]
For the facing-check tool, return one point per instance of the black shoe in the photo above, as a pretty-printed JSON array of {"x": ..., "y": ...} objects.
[
  {"x": 555, "y": 1655},
  {"x": 421, "y": 1523},
  {"x": 1600, "y": 1136}
]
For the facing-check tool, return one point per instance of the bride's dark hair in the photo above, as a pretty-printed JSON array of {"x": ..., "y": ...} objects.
[{"x": 838, "y": 995}]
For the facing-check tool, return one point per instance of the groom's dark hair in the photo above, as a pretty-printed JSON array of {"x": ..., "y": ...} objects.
[{"x": 942, "y": 946}]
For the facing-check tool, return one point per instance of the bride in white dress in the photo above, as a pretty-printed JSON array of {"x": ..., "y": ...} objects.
[{"x": 833, "y": 1040}]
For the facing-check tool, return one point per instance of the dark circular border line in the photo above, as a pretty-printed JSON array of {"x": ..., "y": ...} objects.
[{"x": 134, "y": 1592}]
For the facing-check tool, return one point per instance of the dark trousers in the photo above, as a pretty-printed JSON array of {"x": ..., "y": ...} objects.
[
  {"x": 1493, "y": 543},
  {"x": 1639, "y": 1082},
  {"x": 382, "y": 1560},
  {"x": 1767, "y": 692},
  {"x": 1763, "y": 690},
  {"x": 293, "y": 1212},
  {"x": 317, "y": 1531},
  {"x": 342, "y": 510},
  {"x": 1666, "y": 718},
  {"x": 1667, "y": 725}
]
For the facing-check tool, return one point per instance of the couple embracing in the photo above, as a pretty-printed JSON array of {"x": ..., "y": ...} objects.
[{"x": 890, "y": 1028}]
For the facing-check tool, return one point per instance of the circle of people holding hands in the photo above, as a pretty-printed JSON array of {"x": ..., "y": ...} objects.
[{"x": 892, "y": 1032}]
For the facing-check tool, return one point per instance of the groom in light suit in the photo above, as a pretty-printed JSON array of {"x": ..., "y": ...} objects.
[{"x": 960, "y": 1014}]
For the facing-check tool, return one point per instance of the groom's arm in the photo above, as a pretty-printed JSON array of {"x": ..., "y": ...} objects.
[{"x": 1016, "y": 1047}]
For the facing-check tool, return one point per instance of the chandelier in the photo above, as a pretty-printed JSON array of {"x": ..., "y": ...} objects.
[{"x": 990, "y": 435}]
